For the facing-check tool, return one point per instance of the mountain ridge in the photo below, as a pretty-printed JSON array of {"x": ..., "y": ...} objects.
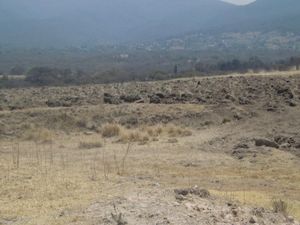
[{"x": 73, "y": 23}]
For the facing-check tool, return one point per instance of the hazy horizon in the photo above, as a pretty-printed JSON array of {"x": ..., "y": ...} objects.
[{"x": 240, "y": 2}]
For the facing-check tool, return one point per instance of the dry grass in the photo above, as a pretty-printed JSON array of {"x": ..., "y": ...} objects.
[
  {"x": 90, "y": 145},
  {"x": 51, "y": 179},
  {"x": 176, "y": 131},
  {"x": 134, "y": 136},
  {"x": 110, "y": 130},
  {"x": 145, "y": 133},
  {"x": 41, "y": 135}
]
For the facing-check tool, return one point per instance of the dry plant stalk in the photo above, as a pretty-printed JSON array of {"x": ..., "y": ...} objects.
[
  {"x": 125, "y": 157},
  {"x": 105, "y": 171},
  {"x": 16, "y": 155}
]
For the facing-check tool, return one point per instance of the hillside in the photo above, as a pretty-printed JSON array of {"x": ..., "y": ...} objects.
[
  {"x": 267, "y": 15},
  {"x": 60, "y": 23},
  {"x": 194, "y": 151}
]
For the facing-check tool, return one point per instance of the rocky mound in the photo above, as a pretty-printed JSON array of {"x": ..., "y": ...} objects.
[{"x": 270, "y": 91}]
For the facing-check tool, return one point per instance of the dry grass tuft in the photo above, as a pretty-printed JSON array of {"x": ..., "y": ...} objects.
[
  {"x": 134, "y": 136},
  {"x": 279, "y": 206},
  {"x": 154, "y": 131},
  {"x": 111, "y": 130},
  {"x": 143, "y": 134}
]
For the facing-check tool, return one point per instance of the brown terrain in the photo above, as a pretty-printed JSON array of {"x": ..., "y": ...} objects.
[{"x": 211, "y": 150}]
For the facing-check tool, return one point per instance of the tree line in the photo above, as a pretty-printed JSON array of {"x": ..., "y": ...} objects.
[
  {"x": 46, "y": 76},
  {"x": 253, "y": 63}
]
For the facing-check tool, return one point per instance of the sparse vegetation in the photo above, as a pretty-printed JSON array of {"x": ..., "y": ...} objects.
[
  {"x": 90, "y": 145},
  {"x": 61, "y": 161}
]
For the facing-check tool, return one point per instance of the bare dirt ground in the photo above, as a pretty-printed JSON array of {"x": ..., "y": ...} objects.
[{"x": 145, "y": 153}]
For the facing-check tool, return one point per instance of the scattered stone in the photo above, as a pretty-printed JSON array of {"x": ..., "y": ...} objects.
[
  {"x": 266, "y": 142},
  {"x": 202, "y": 193},
  {"x": 280, "y": 139}
]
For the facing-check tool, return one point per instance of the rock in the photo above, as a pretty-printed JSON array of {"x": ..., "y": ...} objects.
[
  {"x": 202, "y": 193},
  {"x": 130, "y": 98},
  {"x": 109, "y": 99},
  {"x": 237, "y": 116},
  {"x": 271, "y": 107},
  {"x": 229, "y": 217},
  {"x": 179, "y": 197},
  {"x": 230, "y": 97},
  {"x": 285, "y": 146},
  {"x": 51, "y": 103},
  {"x": 140, "y": 101},
  {"x": 234, "y": 212},
  {"x": 91, "y": 126},
  {"x": 291, "y": 103},
  {"x": 290, "y": 219},
  {"x": 280, "y": 139},
  {"x": 266, "y": 142},
  {"x": 241, "y": 145},
  {"x": 258, "y": 212},
  {"x": 154, "y": 99},
  {"x": 183, "y": 192},
  {"x": 253, "y": 219},
  {"x": 285, "y": 92},
  {"x": 160, "y": 95},
  {"x": 244, "y": 101},
  {"x": 189, "y": 206}
]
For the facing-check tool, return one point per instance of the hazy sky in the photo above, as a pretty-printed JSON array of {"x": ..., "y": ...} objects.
[{"x": 239, "y": 2}]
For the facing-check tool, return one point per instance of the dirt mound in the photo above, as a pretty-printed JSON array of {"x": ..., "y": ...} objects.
[{"x": 159, "y": 206}]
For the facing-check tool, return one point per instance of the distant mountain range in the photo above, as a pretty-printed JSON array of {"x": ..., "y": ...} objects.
[{"x": 60, "y": 23}]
